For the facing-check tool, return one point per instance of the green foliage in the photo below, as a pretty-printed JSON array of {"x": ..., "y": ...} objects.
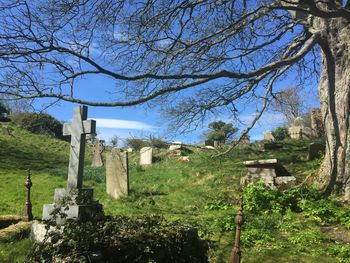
[
  {"x": 96, "y": 174},
  {"x": 156, "y": 142},
  {"x": 341, "y": 252},
  {"x": 128, "y": 239},
  {"x": 280, "y": 133},
  {"x": 40, "y": 123},
  {"x": 135, "y": 143},
  {"x": 220, "y": 131},
  {"x": 325, "y": 211}
]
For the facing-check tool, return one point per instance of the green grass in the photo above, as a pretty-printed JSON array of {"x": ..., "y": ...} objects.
[{"x": 202, "y": 193}]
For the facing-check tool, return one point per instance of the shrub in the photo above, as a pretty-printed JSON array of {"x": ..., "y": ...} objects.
[
  {"x": 157, "y": 143},
  {"x": 40, "y": 123},
  {"x": 135, "y": 143},
  {"x": 280, "y": 133},
  {"x": 137, "y": 239}
]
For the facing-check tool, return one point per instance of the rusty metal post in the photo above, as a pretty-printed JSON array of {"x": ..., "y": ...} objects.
[
  {"x": 239, "y": 220},
  {"x": 28, "y": 215}
]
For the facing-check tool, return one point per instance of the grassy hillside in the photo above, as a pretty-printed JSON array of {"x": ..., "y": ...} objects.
[{"x": 202, "y": 193}]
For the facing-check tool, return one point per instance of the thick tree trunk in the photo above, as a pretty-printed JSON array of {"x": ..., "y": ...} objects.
[{"x": 334, "y": 92}]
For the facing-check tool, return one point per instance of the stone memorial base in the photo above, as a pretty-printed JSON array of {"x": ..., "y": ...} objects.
[
  {"x": 75, "y": 204},
  {"x": 270, "y": 171}
]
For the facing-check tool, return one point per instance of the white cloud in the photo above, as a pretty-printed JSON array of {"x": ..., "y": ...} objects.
[
  {"x": 123, "y": 124},
  {"x": 268, "y": 119}
]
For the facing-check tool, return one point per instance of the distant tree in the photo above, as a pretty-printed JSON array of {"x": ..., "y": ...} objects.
[
  {"x": 114, "y": 141},
  {"x": 3, "y": 112},
  {"x": 40, "y": 123},
  {"x": 135, "y": 143},
  {"x": 157, "y": 142},
  {"x": 280, "y": 133},
  {"x": 289, "y": 102},
  {"x": 3, "y": 109},
  {"x": 220, "y": 131}
]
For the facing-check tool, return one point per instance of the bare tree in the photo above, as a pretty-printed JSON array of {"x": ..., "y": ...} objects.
[
  {"x": 201, "y": 54},
  {"x": 289, "y": 102}
]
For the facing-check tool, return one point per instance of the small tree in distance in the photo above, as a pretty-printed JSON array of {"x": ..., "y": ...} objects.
[{"x": 220, "y": 131}]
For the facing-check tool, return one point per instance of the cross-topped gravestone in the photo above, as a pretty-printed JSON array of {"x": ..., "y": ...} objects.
[
  {"x": 78, "y": 130},
  {"x": 75, "y": 202}
]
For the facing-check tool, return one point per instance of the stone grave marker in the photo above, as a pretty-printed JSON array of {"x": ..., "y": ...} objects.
[
  {"x": 6, "y": 131},
  {"x": 295, "y": 132},
  {"x": 80, "y": 205},
  {"x": 117, "y": 175},
  {"x": 97, "y": 159},
  {"x": 315, "y": 150},
  {"x": 268, "y": 136},
  {"x": 146, "y": 155},
  {"x": 270, "y": 171},
  {"x": 317, "y": 126}
]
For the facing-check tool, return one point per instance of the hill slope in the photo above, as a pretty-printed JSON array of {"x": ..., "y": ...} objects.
[{"x": 202, "y": 193}]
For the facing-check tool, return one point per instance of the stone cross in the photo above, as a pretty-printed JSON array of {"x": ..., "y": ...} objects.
[
  {"x": 97, "y": 159},
  {"x": 78, "y": 130}
]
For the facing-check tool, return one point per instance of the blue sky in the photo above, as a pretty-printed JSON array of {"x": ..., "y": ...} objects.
[{"x": 139, "y": 121}]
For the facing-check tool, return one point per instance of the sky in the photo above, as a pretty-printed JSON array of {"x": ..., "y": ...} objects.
[{"x": 138, "y": 121}]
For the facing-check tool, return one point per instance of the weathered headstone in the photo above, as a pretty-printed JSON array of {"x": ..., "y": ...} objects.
[
  {"x": 117, "y": 176},
  {"x": 97, "y": 158},
  {"x": 295, "y": 132},
  {"x": 317, "y": 126},
  {"x": 75, "y": 202},
  {"x": 6, "y": 131},
  {"x": 272, "y": 173},
  {"x": 268, "y": 136},
  {"x": 146, "y": 156},
  {"x": 315, "y": 151}
]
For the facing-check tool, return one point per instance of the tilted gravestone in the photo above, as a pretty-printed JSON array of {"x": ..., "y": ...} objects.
[
  {"x": 97, "y": 158},
  {"x": 270, "y": 171},
  {"x": 146, "y": 156},
  {"x": 74, "y": 201},
  {"x": 117, "y": 175}
]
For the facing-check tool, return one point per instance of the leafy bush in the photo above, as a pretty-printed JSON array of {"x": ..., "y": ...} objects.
[
  {"x": 157, "y": 143},
  {"x": 40, "y": 123},
  {"x": 280, "y": 133},
  {"x": 135, "y": 143},
  {"x": 141, "y": 239}
]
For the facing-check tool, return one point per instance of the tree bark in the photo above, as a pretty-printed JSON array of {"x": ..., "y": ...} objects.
[{"x": 334, "y": 93}]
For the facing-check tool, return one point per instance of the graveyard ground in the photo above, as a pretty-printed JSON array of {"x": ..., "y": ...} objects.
[{"x": 294, "y": 226}]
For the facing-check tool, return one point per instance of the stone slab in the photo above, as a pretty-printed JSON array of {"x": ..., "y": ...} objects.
[
  {"x": 117, "y": 174},
  {"x": 260, "y": 162},
  {"x": 39, "y": 231}
]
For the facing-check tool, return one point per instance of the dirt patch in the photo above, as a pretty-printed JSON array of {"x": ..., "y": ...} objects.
[{"x": 338, "y": 233}]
